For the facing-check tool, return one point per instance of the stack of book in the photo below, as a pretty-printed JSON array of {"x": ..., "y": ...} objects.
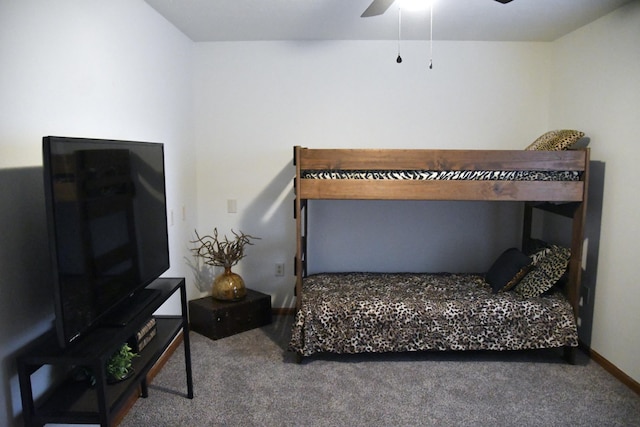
[{"x": 144, "y": 335}]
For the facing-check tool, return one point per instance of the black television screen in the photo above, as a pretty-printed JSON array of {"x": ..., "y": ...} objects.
[{"x": 107, "y": 222}]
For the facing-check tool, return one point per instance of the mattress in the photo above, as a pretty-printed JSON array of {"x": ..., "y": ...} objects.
[
  {"x": 383, "y": 312},
  {"x": 433, "y": 175}
]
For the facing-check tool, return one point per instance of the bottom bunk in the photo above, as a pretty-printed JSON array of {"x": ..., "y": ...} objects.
[{"x": 384, "y": 312}]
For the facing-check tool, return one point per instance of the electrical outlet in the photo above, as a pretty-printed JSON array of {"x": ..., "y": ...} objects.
[{"x": 280, "y": 269}]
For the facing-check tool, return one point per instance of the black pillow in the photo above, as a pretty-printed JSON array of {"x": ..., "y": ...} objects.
[
  {"x": 510, "y": 267},
  {"x": 533, "y": 246}
]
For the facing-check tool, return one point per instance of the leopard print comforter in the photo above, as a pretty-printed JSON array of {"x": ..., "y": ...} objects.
[{"x": 380, "y": 312}]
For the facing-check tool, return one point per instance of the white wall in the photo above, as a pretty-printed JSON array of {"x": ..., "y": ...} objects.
[
  {"x": 256, "y": 100},
  {"x": 596, "y": 88},
  {"x": 85, "y": 68}
]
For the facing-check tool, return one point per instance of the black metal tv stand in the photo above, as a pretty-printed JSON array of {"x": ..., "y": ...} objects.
[
  {"x": 129, "y": 308},
  {"x": 74, "y": 401}
]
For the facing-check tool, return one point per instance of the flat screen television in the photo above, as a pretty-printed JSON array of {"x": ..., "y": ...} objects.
[{"x": 107, "y": 225}]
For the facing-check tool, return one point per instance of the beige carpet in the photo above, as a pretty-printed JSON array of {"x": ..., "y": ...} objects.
[{"x": 250, "y": 379}]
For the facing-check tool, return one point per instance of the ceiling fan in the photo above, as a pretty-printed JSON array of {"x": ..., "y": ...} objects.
[{"x": 378, "y": 7}]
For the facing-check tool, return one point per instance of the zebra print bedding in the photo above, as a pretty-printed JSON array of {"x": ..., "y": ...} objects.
[
  {"x": 381, "y": 312},
  {"x": 431, "y": 175}
]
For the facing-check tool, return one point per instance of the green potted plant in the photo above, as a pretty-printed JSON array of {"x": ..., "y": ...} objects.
[{"x": 119, "y": 366}]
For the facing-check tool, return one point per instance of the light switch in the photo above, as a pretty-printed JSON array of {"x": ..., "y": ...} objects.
[{"x": 232, "y": 206}]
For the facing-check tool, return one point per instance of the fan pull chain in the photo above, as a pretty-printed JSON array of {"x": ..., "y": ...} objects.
[
  {"x": 431, "y": 37},
  {"x": 399, "y": 58}
]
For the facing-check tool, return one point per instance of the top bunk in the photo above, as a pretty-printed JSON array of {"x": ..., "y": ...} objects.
[{"x": 441, "y": 174}]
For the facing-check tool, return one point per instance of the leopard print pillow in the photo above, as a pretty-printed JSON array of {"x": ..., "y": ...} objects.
[
  {"x": 556, "y": 140},
  {"x": 543, "y": 140},
  {"x": 549, "y": 268},
  {"x": 540, "y": 254}
]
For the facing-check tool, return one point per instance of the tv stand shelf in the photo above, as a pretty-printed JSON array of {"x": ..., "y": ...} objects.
[{"x": 78, "y": 402}]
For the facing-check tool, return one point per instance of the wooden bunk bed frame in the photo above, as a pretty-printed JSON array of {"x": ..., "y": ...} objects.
[{"x": 566, "y": 198}]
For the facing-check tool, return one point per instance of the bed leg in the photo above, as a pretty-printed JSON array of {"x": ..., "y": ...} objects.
[
  {"x": 298, "y": 358},
  {"x": 570, "y": 355}
]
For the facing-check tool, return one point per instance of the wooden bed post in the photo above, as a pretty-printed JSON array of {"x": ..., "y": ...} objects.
[
  {"x": 300, "y": 213},
  {"x": 299, "y": 236},
  {"x": 527, "y": 223},
  {"x": 578, "y": 221},
  {"x": 577, "y": 242},
  {"x": 577, "y": 245}
]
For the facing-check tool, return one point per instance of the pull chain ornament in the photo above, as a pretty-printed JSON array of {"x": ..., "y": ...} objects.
[
  {"x": 399, "y": 58},
  {"x": 431, "y": 36}
]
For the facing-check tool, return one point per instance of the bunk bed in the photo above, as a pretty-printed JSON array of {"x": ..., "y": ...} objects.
[{"x": 390, "y": 312}]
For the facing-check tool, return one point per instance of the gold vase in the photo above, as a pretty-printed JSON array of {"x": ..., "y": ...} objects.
[{"x": 228, "y": 286}]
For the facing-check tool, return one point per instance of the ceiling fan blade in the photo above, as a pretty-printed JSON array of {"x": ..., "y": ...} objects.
[
  {"x": 504, "y": 1},
  {"x": 378, "y": 7}
]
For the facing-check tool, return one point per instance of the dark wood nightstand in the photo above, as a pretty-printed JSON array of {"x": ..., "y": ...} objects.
[{"x": 218, "y": 319}]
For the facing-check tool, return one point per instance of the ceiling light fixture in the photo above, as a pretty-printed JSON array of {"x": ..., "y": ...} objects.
[{"x": 414, "y": 5}]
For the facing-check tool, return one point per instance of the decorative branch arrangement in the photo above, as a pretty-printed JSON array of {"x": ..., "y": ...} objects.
[{"x": 222, "y": 252}]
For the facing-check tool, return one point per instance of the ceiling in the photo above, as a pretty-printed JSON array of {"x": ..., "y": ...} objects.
[{"x": 482, "y": 20}]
